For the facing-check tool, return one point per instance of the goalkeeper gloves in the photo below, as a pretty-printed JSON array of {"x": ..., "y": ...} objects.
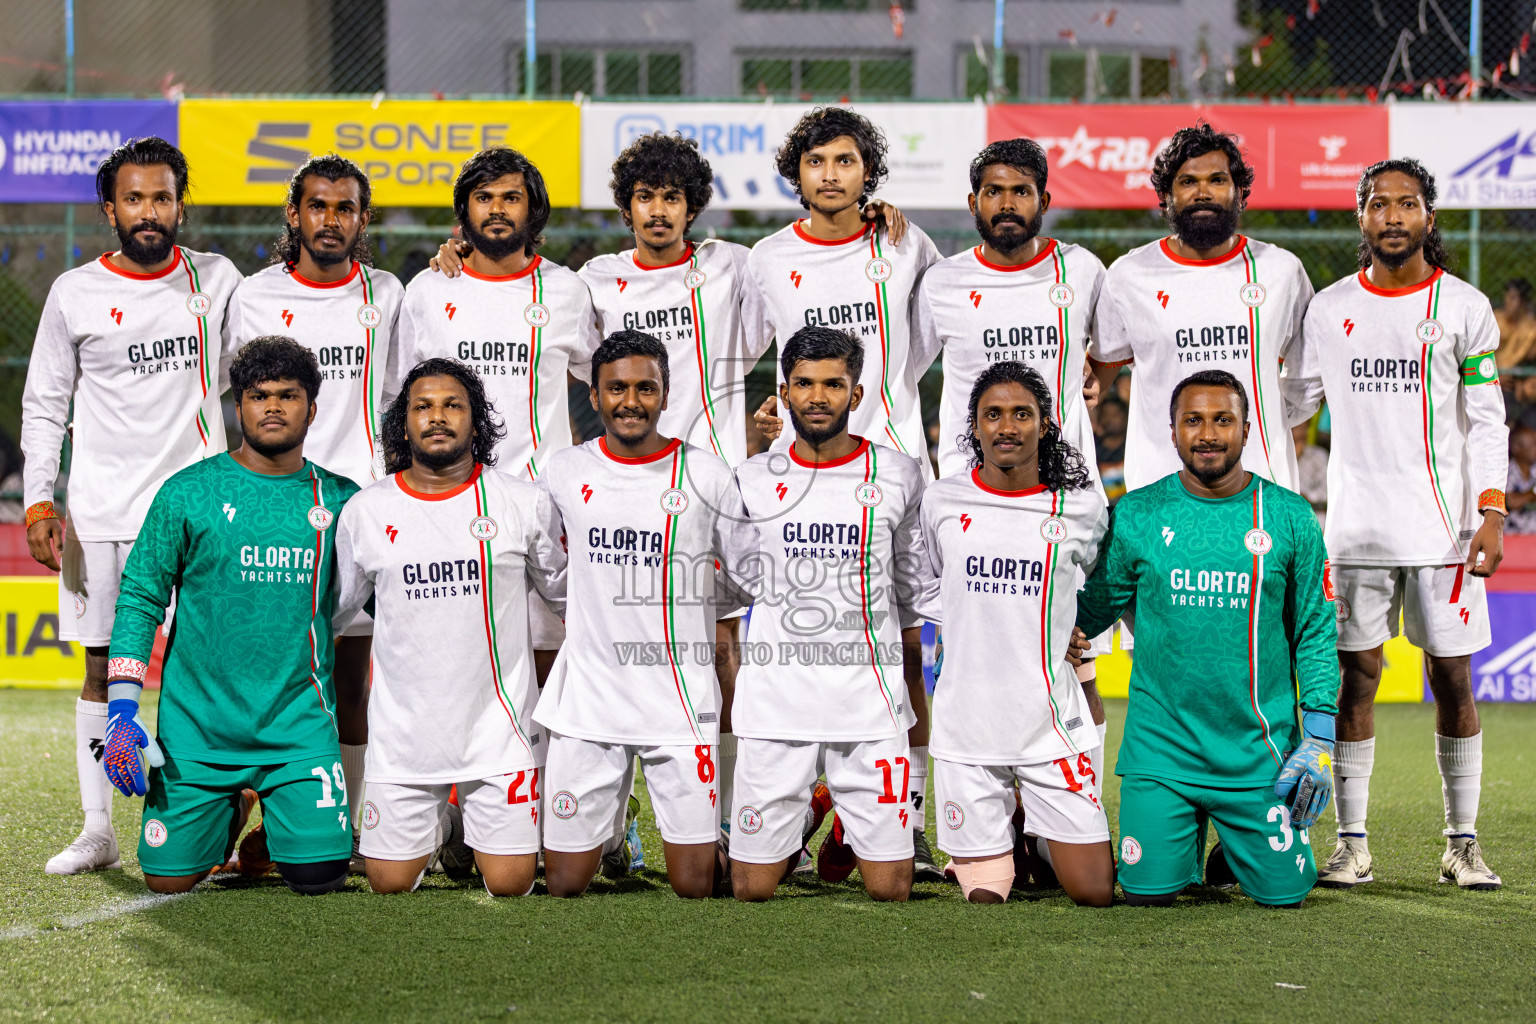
[
  {"x": 1306, "y": 780},
  {"x": 126, "y": 737}
]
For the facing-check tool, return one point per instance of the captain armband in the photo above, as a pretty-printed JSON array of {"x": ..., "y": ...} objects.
[{"x": 1479, "y": 369}]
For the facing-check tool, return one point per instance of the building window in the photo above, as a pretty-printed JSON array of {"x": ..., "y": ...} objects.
[
  {"x": 1092, "y": 74},
  {"x": 976, "y": 74},
  {"x": 566, "y": 72},
  {"x": 816, "y": 76}
]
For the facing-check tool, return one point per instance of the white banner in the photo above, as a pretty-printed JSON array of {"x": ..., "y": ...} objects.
[
  {"x": 1483, "y": 155},
  {"x": 931, "y": 146}
]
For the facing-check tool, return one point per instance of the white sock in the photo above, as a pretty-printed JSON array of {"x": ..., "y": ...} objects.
[
  {"x": 1352, "y": 762},
  {"x": 1043, "y": 848},
  {"x": 917, "y": 792},
  {"x": 1461, "y": 780},
  {"x": 725, "y": 775},
  {"x": 95, "y": 789},
  {"x": 352, "y": 771}
]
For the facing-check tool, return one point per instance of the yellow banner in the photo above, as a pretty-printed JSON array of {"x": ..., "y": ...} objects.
[
  {"x": 34, "y": 656},
  {"x": 242, "y": 152}
]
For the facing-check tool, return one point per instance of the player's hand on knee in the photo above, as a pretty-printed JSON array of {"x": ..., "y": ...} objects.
[
  {"x": 1306, "y": 779},
  {"x": 771, "y": 425},
  {"x": 128, "y": 736},
  {"x": 449, "y": 260},
  {"x": 1077, "y": 647}
]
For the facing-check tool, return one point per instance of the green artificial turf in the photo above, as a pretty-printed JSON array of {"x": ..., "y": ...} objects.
[{"x": 1401, "y": 949}]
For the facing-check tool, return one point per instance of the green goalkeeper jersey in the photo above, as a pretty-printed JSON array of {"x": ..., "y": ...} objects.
[
  {"x": 1233, "y": 620},
  {"x": 247, "y": 675}
]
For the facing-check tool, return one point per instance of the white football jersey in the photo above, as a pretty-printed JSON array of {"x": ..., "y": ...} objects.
[
  {"x": 1417, "y": 416},
  {"x": 453, "y": 685},
  {"x": 841, "y": 567},
  {"x": 1040, "y": 313},
  {"x": 1008, "y": 566},
  {"x": 646, "y": 537},
  {"x": 708, "y": 311},
  {"x": 140, "y": 357},
  {"x": 348, "y": 324},
  {"x": 521, "y": 333},
  {"x": 862, "y": 284},
  {"x": 1173, "y": 317}
]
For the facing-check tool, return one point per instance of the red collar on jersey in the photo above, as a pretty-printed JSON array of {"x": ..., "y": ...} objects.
[
  {"x": 863, "y": 232},
  {"x": 1242, "y": 243},
  {"x": 860, "y": 449},
  {"x": 1392, "y": 293},
  {"x": 440, "y": 495},
  {"x": 671, "y": 447},
  {"x": 106, "y": 261},
  {"x": 533, "y": 263},
  {"x": 687, "y": 255},
  {"x": 1046, "y": 250},
  {"x": 976, "y": 479},
  {"x": 306, "y": 282}
]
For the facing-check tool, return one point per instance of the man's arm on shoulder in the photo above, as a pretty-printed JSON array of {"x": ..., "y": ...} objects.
[{"x": 1315, "y": 634}]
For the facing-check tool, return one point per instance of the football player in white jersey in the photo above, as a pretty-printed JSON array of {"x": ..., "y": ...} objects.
[
  {"x": 448, "y": 548},
  {"x": 1205, "y": 297},
  {"x": 134, "y": 340},
  {"x": 322, "y": 291},
  {"x": 837, "y": 660},
  {"x": 1009, "y": 542},
  {"x": 1404, "y": 354}
]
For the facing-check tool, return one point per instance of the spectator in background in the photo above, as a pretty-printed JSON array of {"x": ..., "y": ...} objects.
[
  {"x": 1520, "y": 492},
  {"x": 11, "y": 510},
  {"x": 1109, "y": 440},
  {"x": 1517, "y": 325},
  {"x": 1312, "y": 468}
]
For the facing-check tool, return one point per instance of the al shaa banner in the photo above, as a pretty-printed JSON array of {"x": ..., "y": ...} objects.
[
  {"x": 1303, "y": 157},
  {"x": 1506, "y": 669},
  {"x": 1483, "y": 155},
  {"x": 242, "y": 152},
  {"x": 49, "y": 150}
]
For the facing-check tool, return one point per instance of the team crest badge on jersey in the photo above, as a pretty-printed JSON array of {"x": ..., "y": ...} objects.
[
  {"x": 199, "y": 304},
  {"x": 320, "y": 517},
  {"x": 537, "y": 314},
  {"x": 155, "y": 832},
  {"x": 750, "y": 821},
  {"x": 482, "y": 528},
  {"x": 369, "y": 315},
  {"x": 1429, "y": 331},
  {"x": 563, "y": 804},
  {"x": 1252, "y": 294},
  {"x": 370, "y": 815},
  {"x": 1130, "y": 850},
  {"x": 868, "y": 494},
  {"x": 1061, "y": 295},
  {"x": 1053, "y": 530},
  {"x": 1257, "y": 542},
  {"x": 954, "y": 817},
  {"x": 878, "y": 270},
  {"x": 674, "y": 501},
  {"x": 694, "y": 279}
]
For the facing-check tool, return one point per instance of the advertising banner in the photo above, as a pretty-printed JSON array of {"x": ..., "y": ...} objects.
[
  {"x": 931, "y": 146},
  {"x": 34, "y": 656},
  {"x": 1506, "y": 670},
  {"x": 49, "y": 150},
  {"x": 1303, "y": 157},
  {"x": 1483, "y": 155},
  {"x": 242, "y": 152}
]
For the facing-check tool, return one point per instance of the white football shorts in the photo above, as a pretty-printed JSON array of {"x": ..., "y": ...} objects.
[
  {"x": 88, "y": 587},
  {"x": 976, "y": 804},
  {"x": 501, "y": 816},
  {"x": 869, "y": 781},
  {"x": 1444, "y": 608},
  {"x": 588, "y": 781}
]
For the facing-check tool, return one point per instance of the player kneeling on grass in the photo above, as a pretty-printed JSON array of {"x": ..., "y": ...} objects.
[
  {"x": 840, "y": 569},
  {"x": 1227, "y": 575},
  {"x": 1007, "y": 542},
  {"x": 448, "y": 548},
  {"x": 246, "y": 542}
]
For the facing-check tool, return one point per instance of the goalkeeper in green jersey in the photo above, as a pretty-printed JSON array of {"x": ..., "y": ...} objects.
[
  {"x": 244, "y": 541},
  {"x": 1227, "y": 577}
]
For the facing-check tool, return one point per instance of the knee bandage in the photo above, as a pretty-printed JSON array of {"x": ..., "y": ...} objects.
[{"x": 994, "y": 874}]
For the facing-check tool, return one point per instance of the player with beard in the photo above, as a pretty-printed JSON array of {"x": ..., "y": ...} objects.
[
  {"x": 453, "y": 692},
  {"x": 1235, "y": 630},
  {"x": 323, "y": 291},
  {"x": 1404, "y": 353},
  {"x": 246, "y": 543},
  {"x": 840, "y": 570},
  {"x": 1204, "y": 297},
  {"x": 134, "y": 341}
]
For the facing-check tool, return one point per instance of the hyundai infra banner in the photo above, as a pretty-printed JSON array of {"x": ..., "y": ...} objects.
[
  {"x": 1303, "y": 157},
  {"x": 1483, "y": 155},
  {"x": 49, "y": 150}
]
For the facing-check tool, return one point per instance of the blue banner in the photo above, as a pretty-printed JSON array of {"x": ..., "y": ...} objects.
[
  {"x": 1506, "y": 669},
  {"x": 50, "y": 149}
]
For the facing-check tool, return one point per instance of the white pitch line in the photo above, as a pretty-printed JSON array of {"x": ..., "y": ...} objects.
[{"x": 106, "y": 913}]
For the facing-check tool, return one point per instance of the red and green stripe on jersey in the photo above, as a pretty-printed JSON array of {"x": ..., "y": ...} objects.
[
  {"x": 1064, "y": 327},
  {"x": 701, "y": 346},
  {"x": 1426, "y": 394},
  {"x": 669, "y": 596},
  {"x": 1255, "y": 599},
  {"x": 370, "y": 335},
  {"x": 317, "y": 491},
  {"x": 1255, "y": 326},
  {"x": 205, "y": 366},
  {"x": 488, "y": 608},
  {"x": 535, "y": 351},
  {"x": 866, "y": 588},
  {"x": 1050, "y": 657},
  {"x": 883, "y": 320}
]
